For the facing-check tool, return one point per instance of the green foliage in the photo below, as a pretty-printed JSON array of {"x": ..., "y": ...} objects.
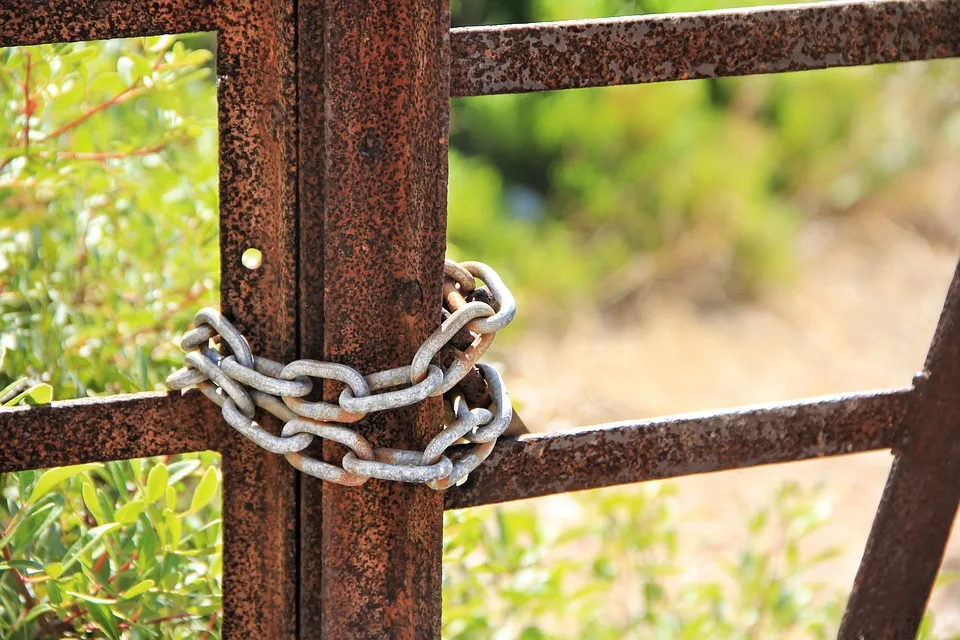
[
  {"x": 596, "y": 194},
  {"x": 108, "y": 209},
  {"x": 122, "y": 549},
  {"x": 616, "y": 573},
  {"x": 108, "y": 243}
]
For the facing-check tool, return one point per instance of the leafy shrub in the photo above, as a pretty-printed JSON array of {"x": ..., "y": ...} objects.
[
  {"x": 125, "y": 549},
  {"x": 108, "y": 236},
  {"x": 509, "y": 573},
  {"x": 108, "y": 210}
]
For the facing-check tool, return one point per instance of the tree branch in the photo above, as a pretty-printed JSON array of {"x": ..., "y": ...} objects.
[
  {"x": 27, "y": 106},
  {"x": 103, "y": 155},
  {"x": 123, "y": 96}
]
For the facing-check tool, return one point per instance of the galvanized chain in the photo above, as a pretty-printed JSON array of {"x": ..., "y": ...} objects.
[{"x": 220, "y": 363}]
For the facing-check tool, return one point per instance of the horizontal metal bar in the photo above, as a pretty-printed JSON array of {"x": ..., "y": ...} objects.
[
  {"x": 29, "y": 22},
  {"x": 681, "y": 46},
  {"x": 109, "y": 428},
  {"x": 626, "y": 452}
]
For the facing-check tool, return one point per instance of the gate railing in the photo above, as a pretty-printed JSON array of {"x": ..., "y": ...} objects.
[{"x": 333, "y": 132}]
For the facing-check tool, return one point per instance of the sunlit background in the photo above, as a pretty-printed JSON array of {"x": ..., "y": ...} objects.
[{"x": 674, "y": 247}]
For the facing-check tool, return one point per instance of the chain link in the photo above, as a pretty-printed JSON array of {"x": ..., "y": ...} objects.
[{"x": 240, "y": 383}]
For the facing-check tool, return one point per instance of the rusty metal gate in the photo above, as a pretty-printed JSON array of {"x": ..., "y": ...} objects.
[{"x": 333, "y": 161}]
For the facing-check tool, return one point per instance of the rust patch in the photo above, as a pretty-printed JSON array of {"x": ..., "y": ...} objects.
[
  {"x": 27, "y": 22},
  {"x": 112, "y": 428},
  {"x": 658, "y": 48},
  {"x": 622, "y": 453},
  {"x": 256, "y": 60},
  {"x": 384, "y": 193}
]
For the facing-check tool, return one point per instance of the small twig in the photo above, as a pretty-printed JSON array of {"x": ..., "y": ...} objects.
[
  {"x": 159, "y": 59},
  {"x": 124, "y": 567},
  {"x": 123, "y": 96},
  {"x": 28, "y": 106},
  {"x": 103, "y": 155},
  {"x": 211, "y": 623},
  {"x": 100, "y": 562},
  {"x": 16, "y": 184},
  {"x": 176, "y": 616},
  {"x": 18, "y": 578}
]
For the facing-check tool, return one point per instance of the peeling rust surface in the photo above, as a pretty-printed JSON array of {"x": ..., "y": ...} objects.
[
  {"x": 312, "y": 158},
  {"x": 256, "y": 60},
  {"x": 919, "y": 503},
  {"x": 109, "y": 428},
  {"x": 386, "y": 121},
  {"x": 622, "y": 453},
  {"x": 657, "y": 48},
  {"x": 28, "y": 22}
]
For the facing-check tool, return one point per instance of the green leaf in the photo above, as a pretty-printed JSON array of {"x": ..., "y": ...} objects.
[
  {"x": 157, "y": 482},
  {"x": 21, "y": 565},
  {"x": 38, "y": 394},
  {"x": 86, "y": 597},
  {"x": 89, "y": 494},
  {"x": 12, "y": 527},
  {"x": 173, "y": 528},
  {"x": 216, "y": 565},
  {"x": 107, "y": 82},
  {"x": 137, "y": 589},
  {"x": 92, "y": 537},
  {"x": 54, "y": 593},
  {"x": 104, "y": 619},
  {"x": 206, "y": 489},
  {"x": 129, "y": 512},
  {"x": 160, "y": 43},
  {"x": 35, "y": 612},
  {"x": 171, "y": 580},
  {"x": 52, "y": 478},
  {"x": 183, "y": 468},
  {"x": 54, "y": 570}
]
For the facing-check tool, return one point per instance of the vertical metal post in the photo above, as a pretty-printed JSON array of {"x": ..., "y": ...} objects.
[
  {"x": 372, "y": 207},
  {"x": 310, "y": 56},
  {"x": 256, "y": 67},
  {"x": 919, "y": 503}
]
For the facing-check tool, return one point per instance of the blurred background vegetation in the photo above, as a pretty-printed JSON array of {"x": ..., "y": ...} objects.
[{"x": 593, "y": 198}]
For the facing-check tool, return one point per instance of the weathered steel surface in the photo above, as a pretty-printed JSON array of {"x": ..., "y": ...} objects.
[
  {"x": 919, "y": 503},
  {"x": 621, "y": 453},
  {"x": 565, "y": 55},
  {"x": 256, "y": 59},
  {"x": 386, "y": 106},
  {"x": 26, "y": 22},
  {"x": 113, "y": 428},
  {"x": 310, "y": 37}
]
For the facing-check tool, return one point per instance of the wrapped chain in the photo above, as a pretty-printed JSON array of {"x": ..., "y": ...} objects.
[{"x": 446, "y": 364}]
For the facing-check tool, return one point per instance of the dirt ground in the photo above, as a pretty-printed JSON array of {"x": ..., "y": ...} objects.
[{"x": 859, "y": 315}]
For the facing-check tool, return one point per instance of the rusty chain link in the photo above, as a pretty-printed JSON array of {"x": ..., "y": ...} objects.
[{"x": 220, "y": 363}]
